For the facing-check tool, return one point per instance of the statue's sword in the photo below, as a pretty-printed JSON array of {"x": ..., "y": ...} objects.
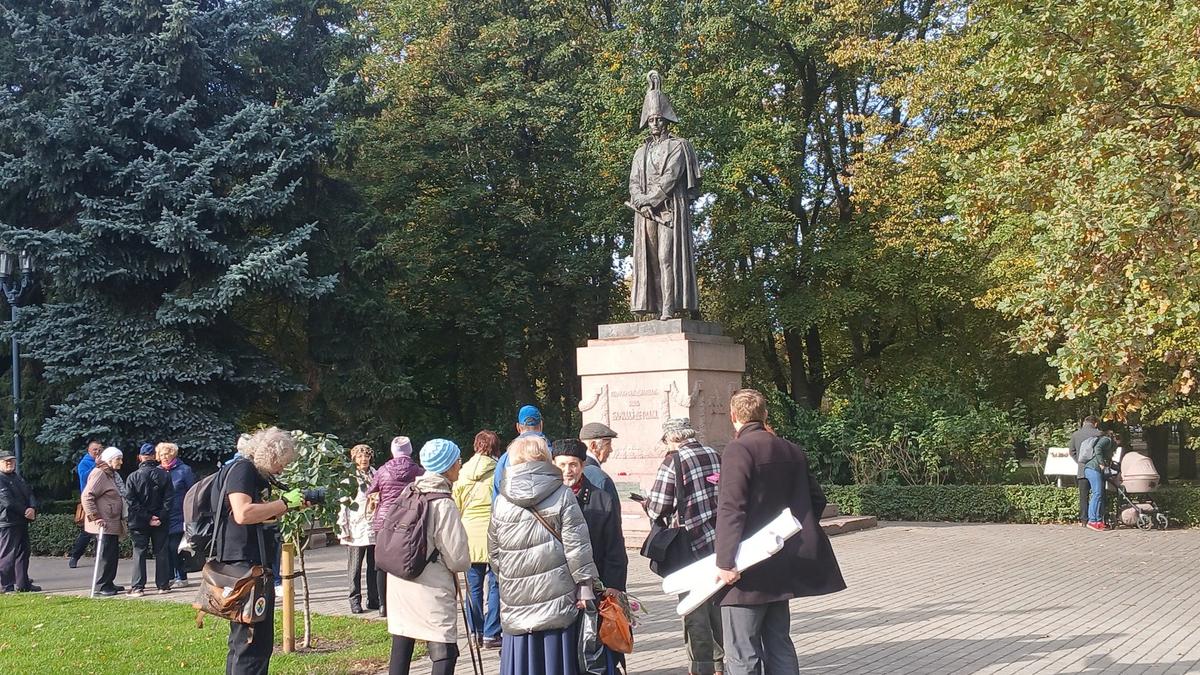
[{"x": 663, "y": 218}]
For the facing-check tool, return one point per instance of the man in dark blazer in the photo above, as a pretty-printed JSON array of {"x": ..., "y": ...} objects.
[{"x": 761, "y": 474}]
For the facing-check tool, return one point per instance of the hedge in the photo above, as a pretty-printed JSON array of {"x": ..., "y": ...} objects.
[
  {"x": 53, "y": 535},
  {"x": 991, "y": 503}
]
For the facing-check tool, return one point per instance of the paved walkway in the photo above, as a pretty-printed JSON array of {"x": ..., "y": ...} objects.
[{"x": 933, "y": 599}]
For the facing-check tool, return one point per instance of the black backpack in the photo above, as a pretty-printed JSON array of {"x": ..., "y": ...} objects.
[
  {"x": 199, "y": 521},
  {"x": 402, "y": 543}
]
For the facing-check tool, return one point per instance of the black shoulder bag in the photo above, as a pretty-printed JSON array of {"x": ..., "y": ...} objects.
[{"x": 669, "y": 547}]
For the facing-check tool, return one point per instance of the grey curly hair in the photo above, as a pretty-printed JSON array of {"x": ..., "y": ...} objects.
[
  {"x": 679, "y": 435},
  {"x": 269, "y": 448}
]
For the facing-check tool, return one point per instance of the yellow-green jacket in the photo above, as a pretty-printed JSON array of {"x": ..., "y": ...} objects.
[{"x": 473, "y": 495}]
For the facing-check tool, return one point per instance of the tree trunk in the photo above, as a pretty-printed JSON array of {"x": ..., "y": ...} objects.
[
  {"x": 1187, "y": 455},
  {"x": 307, "y": 641},
  {"x": 1158, "y": 444}
]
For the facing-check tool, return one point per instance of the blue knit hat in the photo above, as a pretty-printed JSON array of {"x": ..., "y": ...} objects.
[{"x": 439, "y": 454}]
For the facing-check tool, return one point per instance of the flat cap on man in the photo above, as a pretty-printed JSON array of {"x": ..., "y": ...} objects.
[{"x": 594, "y": 431}]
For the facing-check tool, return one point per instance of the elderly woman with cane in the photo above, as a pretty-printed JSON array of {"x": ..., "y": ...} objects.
[{"x": 104, "y": 515}]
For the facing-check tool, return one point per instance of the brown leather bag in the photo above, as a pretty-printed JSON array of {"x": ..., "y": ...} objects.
[
  {"x": 235, "y": 592},
  {"x": 79, "y": 514}
]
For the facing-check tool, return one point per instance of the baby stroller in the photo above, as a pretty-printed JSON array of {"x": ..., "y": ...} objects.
[{"x": 1133, "y": 476}]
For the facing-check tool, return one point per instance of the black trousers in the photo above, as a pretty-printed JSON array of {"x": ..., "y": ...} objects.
[
  {"x": 355, "y": 555},
  {"x": 109, "y": 551},
  {"x": 14, "y": 557},
  {"x": 153, "y": 540},
  {"x": 250, "y": 646},
  {"x": 443, "y": 654},
  {"x": 81, "y": 544},
  {"x": 1085, "y": 492},
  {"x": 381, "y": 588}
]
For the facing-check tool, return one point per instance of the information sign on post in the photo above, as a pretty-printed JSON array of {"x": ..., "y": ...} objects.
[{"x": 1059, "y": 463}]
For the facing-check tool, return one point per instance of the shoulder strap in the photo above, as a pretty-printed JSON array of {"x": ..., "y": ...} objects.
[
  {"x": 679, "y": 486},
  {"x": 545, "y": 523},
  {"x": 219, "y": 511}
]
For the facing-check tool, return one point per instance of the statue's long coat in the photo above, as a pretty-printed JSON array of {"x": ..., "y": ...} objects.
[{"x": 664, "y": 261}]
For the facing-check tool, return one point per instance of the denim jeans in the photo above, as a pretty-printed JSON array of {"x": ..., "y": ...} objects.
[
  {"x": 1096, "y": 483},
  {"x": 173, "y": 541},
  {"x": 487, "y": 624}
]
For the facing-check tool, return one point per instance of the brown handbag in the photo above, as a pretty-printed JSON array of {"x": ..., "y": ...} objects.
[
  {"x": 79, "y": 514},
  {"x": 235, "y": 592}
]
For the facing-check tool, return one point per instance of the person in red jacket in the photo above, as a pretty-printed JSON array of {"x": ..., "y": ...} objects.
[
  {"x": 390, "y": 480},
  {"x": 762, "y": 474}
]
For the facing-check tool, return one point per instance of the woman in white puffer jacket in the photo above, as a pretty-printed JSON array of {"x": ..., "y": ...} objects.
[{"x": 543, "y": 562}]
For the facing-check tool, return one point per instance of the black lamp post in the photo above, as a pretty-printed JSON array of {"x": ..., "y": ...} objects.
[{"x": 16, "y": 280}]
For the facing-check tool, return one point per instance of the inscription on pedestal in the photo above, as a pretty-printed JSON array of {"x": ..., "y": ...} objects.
[{"x": 630, "y": 405}]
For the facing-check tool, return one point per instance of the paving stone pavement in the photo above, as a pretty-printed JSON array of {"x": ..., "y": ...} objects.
[{"x": 928, "y": 599}]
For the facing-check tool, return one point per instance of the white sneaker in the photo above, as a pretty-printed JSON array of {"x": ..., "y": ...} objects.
[
  {"x": 179, "y": 583},
  {"x": 136, "y": 593}
]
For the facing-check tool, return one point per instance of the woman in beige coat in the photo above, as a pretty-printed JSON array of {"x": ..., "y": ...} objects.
[
  {"x": 104, "y": 515},
  {"x": 424, "y": 608}
]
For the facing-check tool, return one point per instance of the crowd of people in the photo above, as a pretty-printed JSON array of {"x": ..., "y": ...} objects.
[
  {"x": 147, "y": 505},
  {"x": 534, "y": 528}
]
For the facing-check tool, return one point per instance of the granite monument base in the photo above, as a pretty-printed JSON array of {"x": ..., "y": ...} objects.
[{"x": 637, "y": 375}]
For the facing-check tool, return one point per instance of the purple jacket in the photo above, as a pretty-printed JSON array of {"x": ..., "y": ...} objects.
[{"x": 390, "y": 480}]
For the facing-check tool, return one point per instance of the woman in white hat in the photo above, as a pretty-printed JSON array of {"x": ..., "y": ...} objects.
[{"x": 104, "y": 515}]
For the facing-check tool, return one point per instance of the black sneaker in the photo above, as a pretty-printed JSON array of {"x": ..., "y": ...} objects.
[
  {"x": 107, "y": 592},
  {"x": 356, "y": 607},
  {"x": 6, "y": 589},
  {"x": 73, "y": 563},
  {"x": 31, "y": 588},
  {"x": 491, "y": 642}
]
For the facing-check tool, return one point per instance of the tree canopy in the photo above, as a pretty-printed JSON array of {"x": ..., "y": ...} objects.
[{"x": 929, "y": 221}]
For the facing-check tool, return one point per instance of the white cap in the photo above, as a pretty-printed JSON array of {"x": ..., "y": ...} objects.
[{"x": 110, "y": 454}]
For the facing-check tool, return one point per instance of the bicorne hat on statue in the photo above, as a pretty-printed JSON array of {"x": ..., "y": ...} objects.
[{"x": 656, "y": 103}]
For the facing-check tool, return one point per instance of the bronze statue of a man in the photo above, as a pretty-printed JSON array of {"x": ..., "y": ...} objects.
[{"x": 663, "y": 183}]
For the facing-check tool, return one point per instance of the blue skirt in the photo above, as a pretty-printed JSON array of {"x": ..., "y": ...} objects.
[{"x": 547, "y": 652}]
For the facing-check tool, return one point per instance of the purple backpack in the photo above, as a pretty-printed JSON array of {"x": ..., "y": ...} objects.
[{"x": 402, "y": 544}]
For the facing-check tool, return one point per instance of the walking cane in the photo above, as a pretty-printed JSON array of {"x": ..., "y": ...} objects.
[
  {"x": 96, "y": 567},
  {"x": 472, "y": 648}
]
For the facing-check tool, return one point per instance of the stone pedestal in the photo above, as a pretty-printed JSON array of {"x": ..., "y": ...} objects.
[{"x": 636, "y": 375}]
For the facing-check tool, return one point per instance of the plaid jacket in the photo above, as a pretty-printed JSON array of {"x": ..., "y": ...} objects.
[{"x": 697, "y": 502}]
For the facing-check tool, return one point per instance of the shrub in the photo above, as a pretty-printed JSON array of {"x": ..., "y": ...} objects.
[
  {"x": 903, "y": 437},
  {"x": 54, "y": 534},
  {"x": 991, "y": 503}
]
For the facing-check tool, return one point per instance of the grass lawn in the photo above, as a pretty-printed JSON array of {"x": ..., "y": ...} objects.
[{"x": 58, "y": 634}]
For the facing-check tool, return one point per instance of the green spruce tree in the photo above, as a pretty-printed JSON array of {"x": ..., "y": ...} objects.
[{"x": 152, "y": 154}]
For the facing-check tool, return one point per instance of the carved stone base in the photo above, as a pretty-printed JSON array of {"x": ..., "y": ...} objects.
[{"x": 639, "y": 374}]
